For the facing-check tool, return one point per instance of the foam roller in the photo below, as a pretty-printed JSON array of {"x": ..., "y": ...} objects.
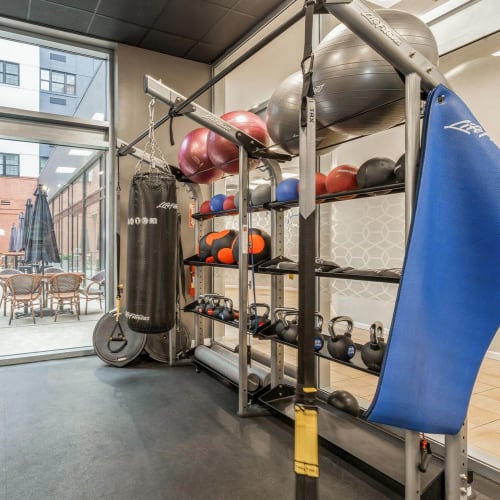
[{"x": 221, "y": 365}]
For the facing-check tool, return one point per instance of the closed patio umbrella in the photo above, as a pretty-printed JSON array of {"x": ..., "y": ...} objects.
[
  {"x": 27, "y": 220},
  {"x": 41, "y": 245},
  {"x": 19, "y": 247},
  {"x": 12, "y": 239}
]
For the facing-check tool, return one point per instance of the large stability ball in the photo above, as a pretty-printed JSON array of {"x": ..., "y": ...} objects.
[
  {"x": 282, "y": 118},
  {"x": 223, "y": 153},
  {"x": 193, "y": 158},
  {"x": 350, "y": 78}
]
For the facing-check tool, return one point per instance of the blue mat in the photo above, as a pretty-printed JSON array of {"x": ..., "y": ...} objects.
[{"x": 448, "y": 305}]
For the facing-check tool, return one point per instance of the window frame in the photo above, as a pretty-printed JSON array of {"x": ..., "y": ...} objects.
[
  {"x": 4, "y": 73},
  {"x": 4, "y": 165},
  {"x": 52, "y": 83}
]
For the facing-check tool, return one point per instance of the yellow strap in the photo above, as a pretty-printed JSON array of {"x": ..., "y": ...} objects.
[{"x": 306, "y": 441}]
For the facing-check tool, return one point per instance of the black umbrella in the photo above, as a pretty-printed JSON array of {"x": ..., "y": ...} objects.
[
  {"x": 27, "y": 220},
  {"x": 41, "y": 244},
  {"x": 19, "y": 236},
  {"x": 12, "y": 239}
]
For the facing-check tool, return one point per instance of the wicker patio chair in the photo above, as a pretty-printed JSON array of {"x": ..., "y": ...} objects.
[
  {"x": 64, "y": 288},
  {"x": 24, "y": 290},
  {"x": 4, "y": 275},
  {"x": 94, "y": 290}
]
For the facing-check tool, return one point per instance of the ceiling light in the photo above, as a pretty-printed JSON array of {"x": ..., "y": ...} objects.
[
  {"x": 496, "y": 54},
  {"x": 442, "y": 10},
  {"x": 65, "y": 170},
  {"x": 98, "y": 116},
  {"x": 79, "y": 152},
  {"x": 385, "y": 3}
]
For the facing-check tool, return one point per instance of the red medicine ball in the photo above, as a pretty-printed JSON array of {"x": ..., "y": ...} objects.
[{"x": 342, "y": 178}]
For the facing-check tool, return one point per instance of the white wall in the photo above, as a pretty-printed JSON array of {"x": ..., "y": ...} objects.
[
  {"x": 28, "y": 156},
  {"x": 26, "y": 96}
]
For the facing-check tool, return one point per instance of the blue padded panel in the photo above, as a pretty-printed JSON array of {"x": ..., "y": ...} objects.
[{"x": 448, "y": 305}]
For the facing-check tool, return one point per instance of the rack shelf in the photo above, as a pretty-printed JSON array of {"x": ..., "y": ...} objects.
[
  {"x": 343, "y": 196},
  {"x": 360, "y": 275},
  {"x": 235, "y": 324},
  {"x": 268, "y": 333},
  {"x": 324, "y": 198}
]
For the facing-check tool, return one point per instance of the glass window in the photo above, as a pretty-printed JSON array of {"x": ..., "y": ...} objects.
[
  {"x": 57, "y": 81},
  {"x": 9, "y": 165},
  {"x": 69, "y": 81},
  {"x": 9, "y": 73}
]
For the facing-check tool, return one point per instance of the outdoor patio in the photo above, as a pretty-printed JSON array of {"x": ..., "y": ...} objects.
[{"x": 24, "y": 338}]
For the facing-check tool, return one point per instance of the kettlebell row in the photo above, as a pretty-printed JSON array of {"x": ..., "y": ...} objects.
[
  {"x": 220, "y": 307},
  {"x": 339, "y": 345}
]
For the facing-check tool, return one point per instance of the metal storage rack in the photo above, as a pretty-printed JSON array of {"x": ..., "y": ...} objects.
[{"x": 419, "y": 75}]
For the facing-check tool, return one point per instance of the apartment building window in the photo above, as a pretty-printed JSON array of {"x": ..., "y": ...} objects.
[
  {"x": 9, "y": 165},
  {"x": 9, "y": 73},
  {"x": 57, "y": 82}
]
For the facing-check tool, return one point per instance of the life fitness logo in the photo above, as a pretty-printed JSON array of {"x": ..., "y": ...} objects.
[
  {"x": 144, "y": 221},
  {"x": 469, "y": 128}
]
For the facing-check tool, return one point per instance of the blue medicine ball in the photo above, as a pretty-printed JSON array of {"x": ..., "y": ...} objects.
[
  {"x": 287, "y": 190},
  {"x": 217, "y": 202}
]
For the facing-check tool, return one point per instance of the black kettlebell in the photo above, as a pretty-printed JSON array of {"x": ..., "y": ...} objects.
[
  {"x": 341, "y": 346},
  {"x": 290, "y": 332},
  {"x": 318, "y": 337},
  {"x": 372, "y": 353},
  {"x": 258, "y": 321},
  {"x": 279, "y": 323},
  {"x": 227, "y": 313},
  {"x": 218, "y": 302},
  {"x": 200, "y": 304},
  {"x": 213, "y": 306}
]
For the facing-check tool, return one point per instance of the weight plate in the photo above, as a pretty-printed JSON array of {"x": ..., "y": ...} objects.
[
  {"x": 157, "y": 345},
  {"x": 115, "y": 352}
]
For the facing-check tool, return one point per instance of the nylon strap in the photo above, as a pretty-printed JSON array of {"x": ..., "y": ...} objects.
[{"x": 307, "y": 62}]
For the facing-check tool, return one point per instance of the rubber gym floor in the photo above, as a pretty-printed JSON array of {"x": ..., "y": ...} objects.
[{"x": 78, "y": 429}]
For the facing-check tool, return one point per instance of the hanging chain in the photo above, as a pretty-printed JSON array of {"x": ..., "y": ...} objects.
[{"x": 152, "y": 150}]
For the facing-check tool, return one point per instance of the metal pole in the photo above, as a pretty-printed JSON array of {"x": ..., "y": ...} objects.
[
  {"x": 277, "y": 360},
  {"x": 243, "y": 281},
  {"x": 306, "y": 411},
  {"x": 412, "y": 148},
  {"x": 455, "y": 465}
]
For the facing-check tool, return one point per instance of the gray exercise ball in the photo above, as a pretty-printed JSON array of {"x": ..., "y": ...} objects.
[
  {"x": 282, "y": 118},
  {"x": 351, "y": 79}
]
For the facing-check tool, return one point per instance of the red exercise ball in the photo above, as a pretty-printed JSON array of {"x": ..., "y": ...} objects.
[
  {"x": 320, "y": 183},
  {"x": 223, "y": 153},
  {"x": 193, "y": 158},
  {"x": 229, "y": 203},
  {"x": 342, "y": 178}
]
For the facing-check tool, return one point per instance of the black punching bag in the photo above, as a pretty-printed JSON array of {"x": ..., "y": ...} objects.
[{"x": 152, "y": 248}]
